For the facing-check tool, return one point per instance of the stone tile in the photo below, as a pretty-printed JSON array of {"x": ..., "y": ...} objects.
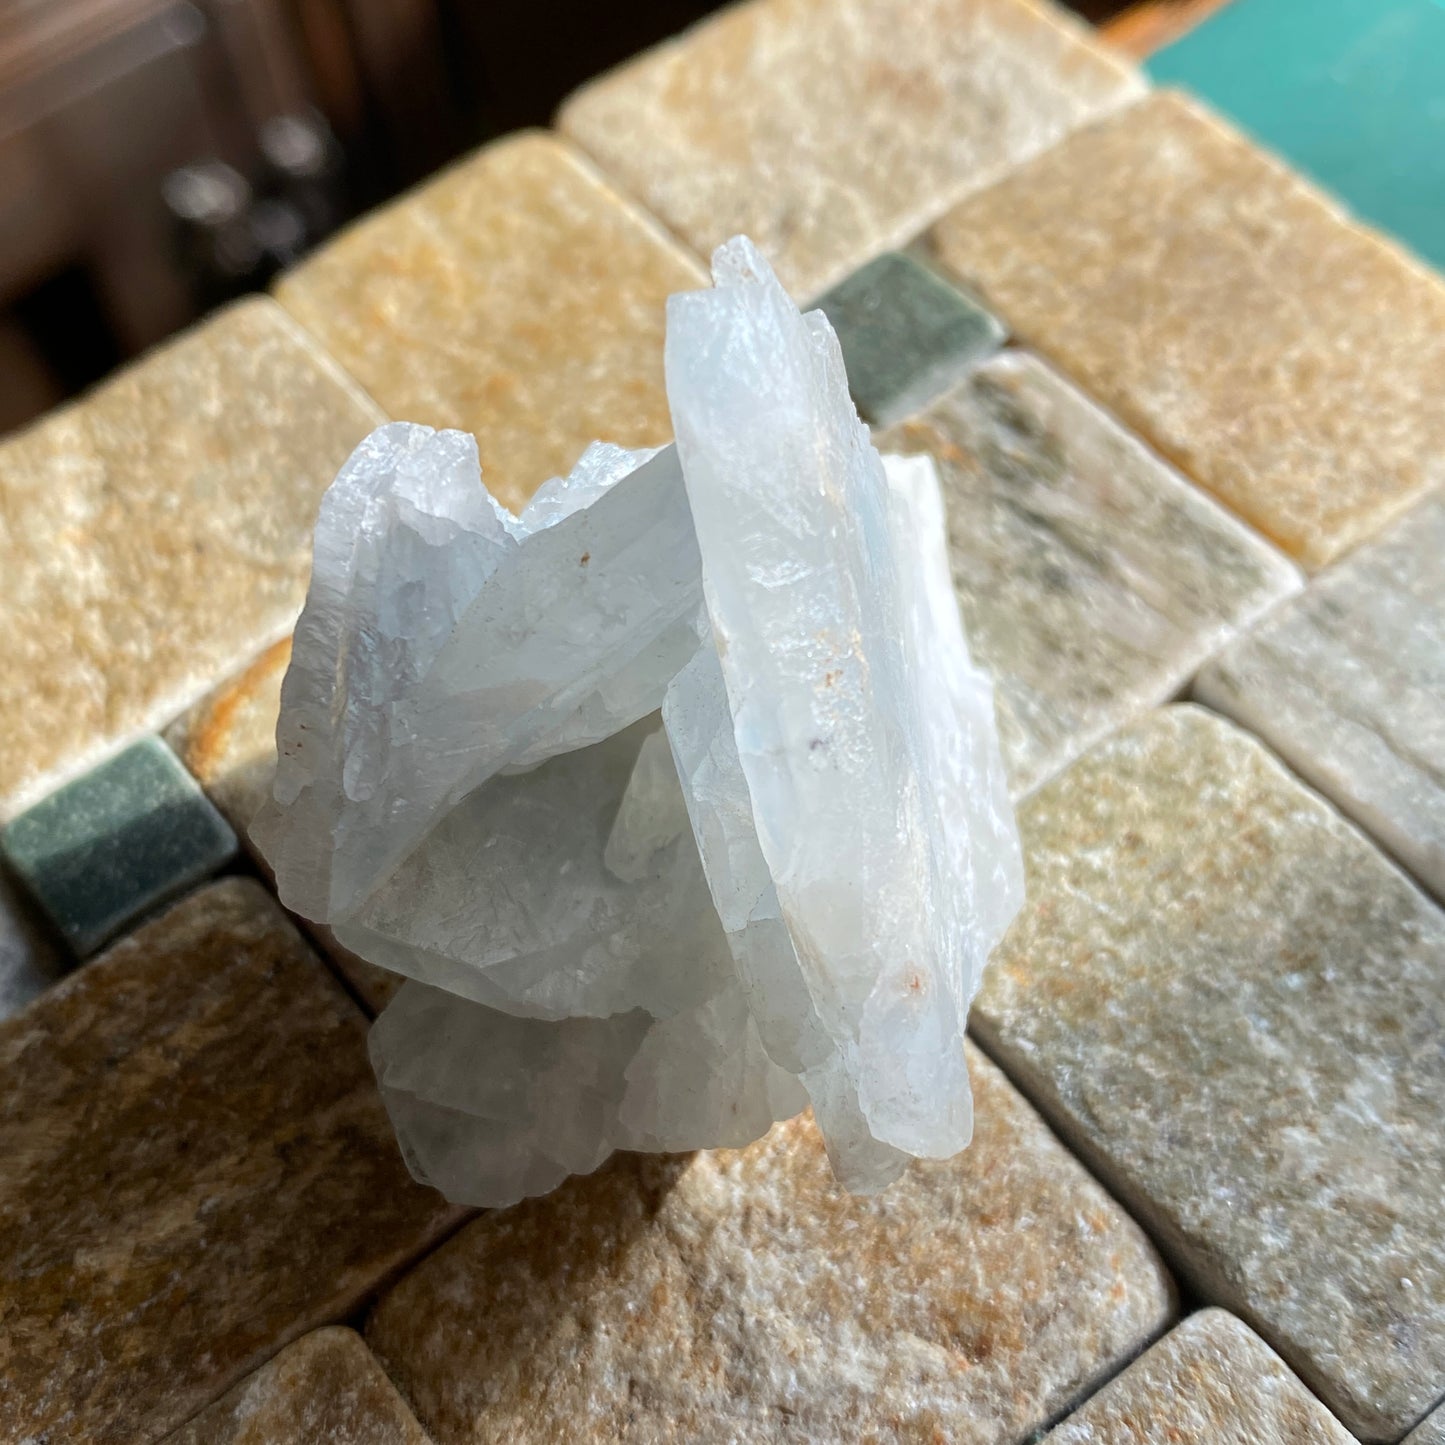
[
  {"x": 1430, "y": 1431},
  {"x": 31, "y": 958},
  {"x": 1229, "y": 1002},
  {"x": 516, "y": 296},
  {"x": 228, "y": 741},
  {"x": 906, "y": 335},
  {"x": 116, "y": 843},
  {"x": 1210, "y": 1381},
  {"x": 829, "y": 130},
  {"x": 1346, "y": 90},
  {"x": 1348, "y": 685},
  {"x": 1225, "y": 310},
  {"x": 155, "y": 534},
  {"x": 1093, "y": 578},
  {"x": 740, "y": 1294},
  {"x": 198, "y": 1169},
  {"x": 326, "y": 1389}
]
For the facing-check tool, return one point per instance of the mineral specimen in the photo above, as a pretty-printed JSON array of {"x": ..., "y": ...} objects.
[{"x": 676, "y": 797}]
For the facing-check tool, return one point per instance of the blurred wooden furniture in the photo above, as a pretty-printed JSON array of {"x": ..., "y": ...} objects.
[
  {"x": 1142, "y": 29},
  {"x": 101, "y": 99}
]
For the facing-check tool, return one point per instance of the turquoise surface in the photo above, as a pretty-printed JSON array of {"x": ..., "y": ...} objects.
[{"x": 1352, "y": 92}]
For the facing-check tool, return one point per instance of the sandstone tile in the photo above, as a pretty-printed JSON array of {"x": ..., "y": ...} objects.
[
  {"x": 517, "y": 297},
  {"x": 116, "y": 843},
  {"x": 197, "y": 1170},
  {"x": 31, "y": 959},
  {"x": 741, "y": 1295},
  {"x": 326, "y": 1389},
  {"x": 1210, "y": 1381},
  {"x": 1093, "y": 578},
  {"x": 829, "y": 130},
  {"x": 1430, "y": 1431},
  {"x": 1348, "y": 685},
  {"x": 156, "y": 533},
  {"x": 1283, "y": 357},
  {"x": 906, "y": 335},
  {"x": 228, "y": 741},
  {"x": 1229, "y": 1002}
]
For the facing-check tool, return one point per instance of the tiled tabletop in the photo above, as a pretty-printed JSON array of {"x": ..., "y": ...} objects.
[{"x": 1190, "y": 421}]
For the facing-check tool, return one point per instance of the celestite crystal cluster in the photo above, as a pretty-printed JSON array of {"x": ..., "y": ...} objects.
[{"x": 676, "y": 799}]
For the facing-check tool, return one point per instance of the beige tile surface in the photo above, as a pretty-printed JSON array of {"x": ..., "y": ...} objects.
[
  {"x": 742, "y": 1296},
  {"x": 515, "y": 296},
  {"x": 1093, "y": 578},
  {"x": 1210, "y": 1381},
  {"x": 228, "y": 741},
  {"x": 1228, "y": 312},
  {"x": 1348, "y": 685},
  {"x": 156, "y": 533},
  {"x": 198, "y": 1169},
  {"x": 326, "y": 1389},
  {"x": 1230, "y": 1002},
  {"x": 830, "y": 130}
]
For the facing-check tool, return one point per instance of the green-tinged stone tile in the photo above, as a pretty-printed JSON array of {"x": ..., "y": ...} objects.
[
  {"x": 906, "y": 335},
  {"x": 1347, "y": 683},
  {"x": 1349, "y": 91},
  {"x": 117, "y": 842},
  {"x": 31, "y": 959},
  {"x": 740, "y": 1295},
  {"x": 1229, "y": 1002},
  {"x": 1430, "y": 1431},
  {"x": 326, "y": 1389},
  {"x": 1209, "y": 1381},
  {"x": 196, "y": 1170},
  {"x": 1093, "y": 579}
]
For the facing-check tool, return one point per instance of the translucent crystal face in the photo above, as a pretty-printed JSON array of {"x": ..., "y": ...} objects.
[
  {"x": 864, "y": 737},
  {"x": 633, "y": 931}
]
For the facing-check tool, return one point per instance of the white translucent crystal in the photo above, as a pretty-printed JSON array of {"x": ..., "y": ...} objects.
[
  {"x": 632, "y": 930},
  {"x": 444, "y": 639},
  {"x": 865, "y": 737}
]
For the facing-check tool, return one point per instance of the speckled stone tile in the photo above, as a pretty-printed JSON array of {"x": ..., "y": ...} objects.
[
  {"x": 157, "y": 533},
  {"x": 1430, "y": 1431},
  {"x": 906, "y": 334},
  {"x": 326, "y": 1389},
  {"x": 197, "y": 1170},
  {"x": 116, "y": 843},
  {"x": 1093, "y": 578},
  {"x": 1229, "y": 1001},
  {"x": 741, "y": 1295},
  {"x": 31, "y": 958},
  {"x": 1227, "y": 311},
  {"x": 517, "y": 297},
  {"x": 1210, "y": 1381},
  {"x": 228, "y": 741},
  {"x": 1348, "y": 685},
  {"x": 830, "y": 130}
]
